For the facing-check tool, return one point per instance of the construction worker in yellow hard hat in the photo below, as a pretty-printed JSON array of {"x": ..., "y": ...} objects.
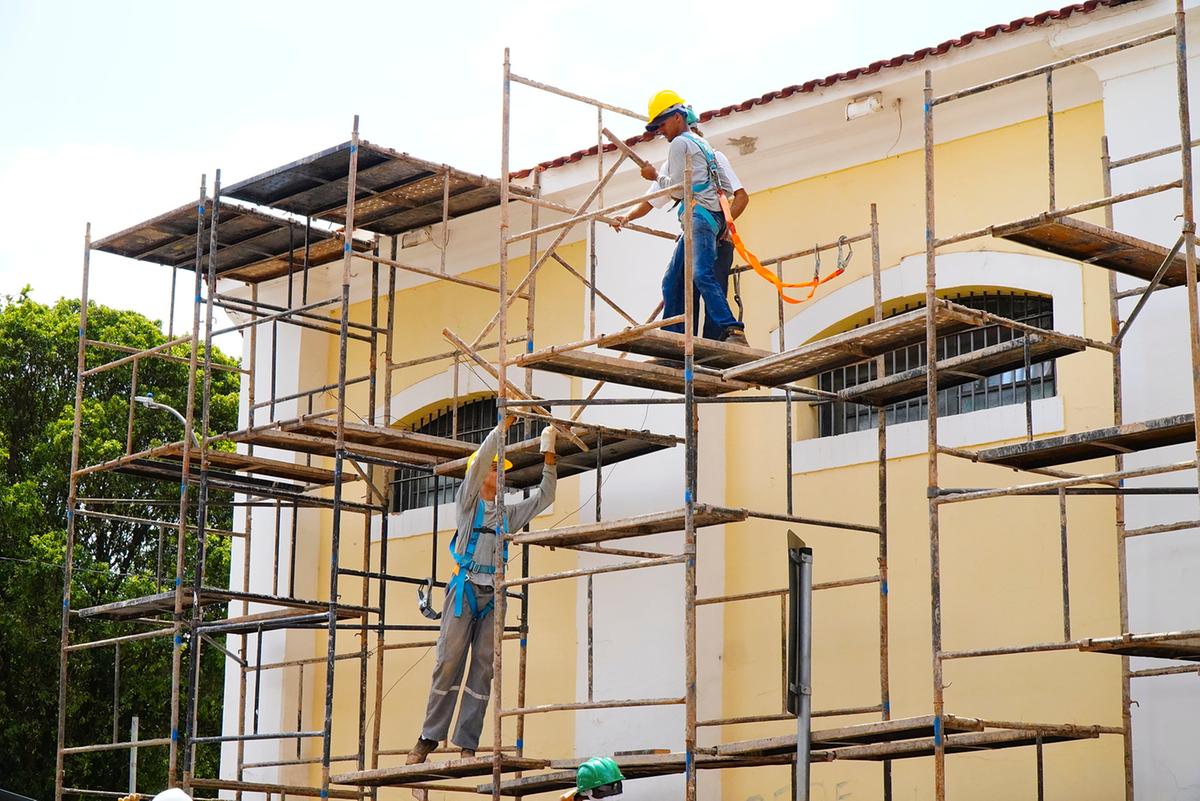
[
  {"x": 737, "y": 204},
  {"x": 467, "y": 623},
  {"x": 671, "y": 116}
]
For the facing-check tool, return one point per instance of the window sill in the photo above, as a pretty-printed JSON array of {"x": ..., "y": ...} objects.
[{"x": 910, "y": 439}]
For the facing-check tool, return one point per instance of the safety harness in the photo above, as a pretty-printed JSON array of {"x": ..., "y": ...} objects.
[
  {"x": 467, "y": 564},
  {"x": 710, "y": 160}
]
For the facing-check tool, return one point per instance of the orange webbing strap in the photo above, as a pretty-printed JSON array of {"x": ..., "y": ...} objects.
[{"x": 763, "y": 272}]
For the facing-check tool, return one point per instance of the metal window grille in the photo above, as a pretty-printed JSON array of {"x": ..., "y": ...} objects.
[
  {"x": 986, "y": 393},
  {"x": 414, "y": 487}
]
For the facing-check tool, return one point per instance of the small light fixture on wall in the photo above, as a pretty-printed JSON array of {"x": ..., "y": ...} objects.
[{"x": 864, "y": 106}]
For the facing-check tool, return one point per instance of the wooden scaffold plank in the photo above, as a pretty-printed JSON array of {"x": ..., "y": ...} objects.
[
  {"x": 628, "y": 372},
  {"x": 1181, "y": 645},
  {"x": 1093, "y": 444},
  {"x": 401, "y": 775},
  {"x": 656, "y": 523}
]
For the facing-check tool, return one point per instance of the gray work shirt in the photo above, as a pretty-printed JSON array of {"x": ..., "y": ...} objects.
[
  {"x": 488, "y": 549},
  {"x": 684, "y": 150}
]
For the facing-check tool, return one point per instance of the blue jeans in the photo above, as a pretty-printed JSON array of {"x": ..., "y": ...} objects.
[{"x": 710, "y": 281}]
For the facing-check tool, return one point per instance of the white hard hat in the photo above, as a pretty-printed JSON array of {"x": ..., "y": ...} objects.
[{"x": 172, "y": 794}]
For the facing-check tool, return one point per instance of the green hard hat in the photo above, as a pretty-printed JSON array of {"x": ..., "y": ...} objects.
[{"x": 597, "y": 772}]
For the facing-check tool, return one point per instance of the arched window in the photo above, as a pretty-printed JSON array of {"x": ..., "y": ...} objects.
[
  {"x": 986, "y": 393},
  {"x": 414, "y": 488}
]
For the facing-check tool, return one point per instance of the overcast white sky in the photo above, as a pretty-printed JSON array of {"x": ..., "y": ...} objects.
[{"x": 111, "y": 111}]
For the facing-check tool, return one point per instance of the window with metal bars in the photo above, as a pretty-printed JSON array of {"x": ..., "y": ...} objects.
[
  {"x": 986, "y": 393},
  {"x": 415, "y": 488}
]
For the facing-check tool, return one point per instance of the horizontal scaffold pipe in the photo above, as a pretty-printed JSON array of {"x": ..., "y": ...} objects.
[{"x": 1028, "y": 489}]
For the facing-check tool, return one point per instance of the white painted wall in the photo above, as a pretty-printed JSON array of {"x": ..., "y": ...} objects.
[{"x": 1140, "y": 114}]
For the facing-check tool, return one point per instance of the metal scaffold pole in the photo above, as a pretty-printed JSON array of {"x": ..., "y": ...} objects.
[
  {"x": 339, "y": 461},
  {"x": 72, "y": 493}
]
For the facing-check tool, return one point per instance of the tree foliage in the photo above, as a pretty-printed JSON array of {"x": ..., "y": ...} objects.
[{"x": 113, "y": 560}]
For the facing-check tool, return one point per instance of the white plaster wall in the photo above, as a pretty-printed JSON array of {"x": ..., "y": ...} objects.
[
  {"x": 1141, "y": 114},
  {"x": 300, "y": 365}
]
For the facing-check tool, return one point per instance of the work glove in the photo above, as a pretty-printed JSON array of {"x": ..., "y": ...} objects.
[{"x": 548, "y": 436}]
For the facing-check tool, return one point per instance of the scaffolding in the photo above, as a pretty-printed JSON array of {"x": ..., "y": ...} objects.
[{"x": 308, "y": 214}]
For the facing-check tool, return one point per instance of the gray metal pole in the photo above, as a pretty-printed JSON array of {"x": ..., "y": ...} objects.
[
  {"x": 800, "y": 559},
  {"x": 133, "y": 754}
]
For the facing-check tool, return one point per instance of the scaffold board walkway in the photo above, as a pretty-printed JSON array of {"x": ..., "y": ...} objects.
[
  {"x": 851, "y": 347},
  {"x": 640, "y": 766},
  {"x": 1174, "y": 645},
  {"x": 629, "y": 372},
  {"x": 1094, "y": 444},
  {"x": 606, "y": 446},
  {"x": 1093, "y": 244},
  {"x": 708, "y": 352},
  {"x": 164, "y": 603},
  {"x": 400, "y": 775},
  {"x": 858, "y": 734},
  {"x": 961, "y": 369},
  {"x": 636, "y": 526}
]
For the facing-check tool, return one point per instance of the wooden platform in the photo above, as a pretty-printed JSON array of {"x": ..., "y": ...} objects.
[
  {"x": 629, "y": 372},
  {"x": 640, "y": 766},
  {"x": 164, "y": 603},
  {"x": 274, "y": 789},
  {"x": 253, "y": 465},
  {"x": 1092, "y": 244},
  {"x": 858, "y": 734},
  {"x": 610, "y": 445},
  {"x": 989, "y": 740},
  {"x": 1093, "y": 444},
  {"x": 1186, "y": 648},
  {"x": 708, "y": 352},
  {"x": 851, "y": 347},
  {"x": 401, "y": 775},
  {"x": 962, "y": 369},
  {"x": 656, "y": 523}
]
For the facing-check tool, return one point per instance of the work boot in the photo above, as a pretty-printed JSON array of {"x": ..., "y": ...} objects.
[
  {"x": 417, "y": 755},
  {"x": 420, "y": 751},
  {"x": 736, "y": 336},
  {"x": 467, "y": 753}
]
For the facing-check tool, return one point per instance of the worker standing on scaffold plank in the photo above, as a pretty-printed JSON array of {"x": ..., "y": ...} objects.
[
  {"x": 669, "y": 115},
  {"x": 467, "y": 618},
  {"x": 724, "y": 263}
]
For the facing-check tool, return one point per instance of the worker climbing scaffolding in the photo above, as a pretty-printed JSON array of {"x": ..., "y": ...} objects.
[{"x": 467, "y": 620}]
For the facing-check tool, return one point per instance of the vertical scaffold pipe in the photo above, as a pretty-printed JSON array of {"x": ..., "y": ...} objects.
[
  {"x": 339, "y": 462},
  {"x": 931, "y": 391},
  {"x": 72, "y": 493},
  {"x": 501, "y": 605}
]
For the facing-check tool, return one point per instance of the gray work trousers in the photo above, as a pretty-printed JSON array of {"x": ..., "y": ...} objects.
[{"x": 455, "y": 637}]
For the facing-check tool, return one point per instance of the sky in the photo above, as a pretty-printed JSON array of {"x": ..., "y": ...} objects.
[{"x": 111, "y": 111}]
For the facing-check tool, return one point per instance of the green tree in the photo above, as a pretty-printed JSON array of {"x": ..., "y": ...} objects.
[{"x": 113, "y": 560}]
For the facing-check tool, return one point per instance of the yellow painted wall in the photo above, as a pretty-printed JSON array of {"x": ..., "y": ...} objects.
[
  {"x": 1000, "y": 563},
  {"x": 1000, "y": 559},
  {"x": 421, "y": 314}
]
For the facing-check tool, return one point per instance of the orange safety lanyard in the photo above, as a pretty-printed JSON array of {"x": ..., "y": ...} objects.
[{"x": 766, "y": 274}]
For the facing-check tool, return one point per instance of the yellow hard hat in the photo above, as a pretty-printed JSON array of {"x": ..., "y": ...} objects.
[
  {"x": 471, "y": 460},
  {"x": 662, "y": 101}
]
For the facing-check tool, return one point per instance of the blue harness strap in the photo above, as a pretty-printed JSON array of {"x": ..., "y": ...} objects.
[
  {"x": 710, "y": 161},
  {"x": 467, "y": 564}
]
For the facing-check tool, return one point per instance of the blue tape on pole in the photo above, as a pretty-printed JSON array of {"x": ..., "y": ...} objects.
[
  {"x": 324, "y": 793},
  {"x": 688, "y": 762},
  {"x": 199, "y": 299},
  {"x": 937, "y": 730},
  {"x": 200, "y": 209},
  {"x": 529, "y": 346},
  {"x": 687, "y": 495},
  {"x": 887, "y": 707},
  {"x": 523, "y": 642},
  {"x": 687, "y": 374},
  {"x": 66, "y": 603},
  {"x": 70, "y": 514},
  {"x": 174, "y": 735},
  {"x": 178, "y": 581},
  {"x": 182, "y": 488},
  {"x": 353, "y": 148},
  {"x": 883, "y": 588},
  {"x": 346, "y": 246},
  {"x": 178, "y": 641},
  {"x": 520, "y": 744},
  {"x": 81, "y": 332},
  {"x": 927, "y": 106}
]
